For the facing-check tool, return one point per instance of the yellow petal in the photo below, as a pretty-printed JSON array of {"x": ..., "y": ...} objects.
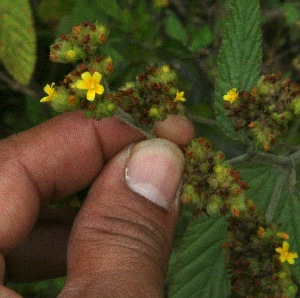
[
  {"x": 99, "y": 89},
  {"x": 96, "y": 77},
  {"x": 285, "y": 246},
  {"x": 290, "y": 258},
  {"x": 91, "y": 94},
  {"x": 86, "y": 76},
  {"x": 47, "y": 89},
  {"x": 80, "y": 84},
  {"x": 44, "y": 99}
]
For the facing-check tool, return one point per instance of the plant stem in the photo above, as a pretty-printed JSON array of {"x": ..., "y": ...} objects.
[
  {"x": 146, "y": 129},
  {"x": 204, "y": 120}
]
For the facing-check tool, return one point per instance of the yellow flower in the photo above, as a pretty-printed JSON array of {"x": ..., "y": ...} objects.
[
  {"x": 50, "y": 91},
  {"x": 231, "y": 95},
  {"x": 91, "y": 84},
  {"x": 165, "y": 68},
  {"x": 179, "y": 96},
  {"x": 285, "y": 255}
]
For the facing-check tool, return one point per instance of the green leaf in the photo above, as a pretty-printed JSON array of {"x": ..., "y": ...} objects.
[
  {"x": 291, "y": 13},
  {"x": 240, "y": 57},
  {"x": 110, "y": 8},
  {"x": 288, "y": 214},
  {"x": 200, "y": 269},
  {"x": 83, "y": 10},
  {"x": 17, "y": 39},
  {"x": 272, "y": 189},
  {"x": 175, "y": 29},
  {"x": 261, "y": 179},
  {"x": 201, "y": 38}
]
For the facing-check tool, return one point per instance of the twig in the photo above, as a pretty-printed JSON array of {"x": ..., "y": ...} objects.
[
  {"x": 204, "y": 120},
  {"x": 274, "y": 159},
  {"x": 239, "y": 159},
  {"x": 295, "y": 157},
  {"x": 15, "y": 86}
]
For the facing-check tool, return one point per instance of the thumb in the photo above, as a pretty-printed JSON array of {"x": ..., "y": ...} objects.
[{"x": 121, "y": 240}]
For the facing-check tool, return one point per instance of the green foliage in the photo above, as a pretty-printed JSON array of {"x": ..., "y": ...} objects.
[
  {"x": 17, "y": 39},
  {"x": 292, "y": 12},
  {"x": 184, "y": 35},
  {"x": 199, "y": 268},
  {"x": 239, "y": 61},
  {"x": 272, "y": 188}
]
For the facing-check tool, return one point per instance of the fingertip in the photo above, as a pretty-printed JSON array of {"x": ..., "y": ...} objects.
[{"x": 176, "y": 129}]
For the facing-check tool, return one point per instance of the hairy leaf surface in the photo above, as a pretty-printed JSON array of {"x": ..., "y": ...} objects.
[
  {"x": 240, "y": 56},
  {"x": 200, "y": 268},
  {"x": 272, "y": 188}
]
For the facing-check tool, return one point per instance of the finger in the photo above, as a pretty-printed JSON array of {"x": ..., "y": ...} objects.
[
  {"x": 121, "y": 240},
  {"x": 52, "y": 160},
  {"x": 176, "y": 129}
]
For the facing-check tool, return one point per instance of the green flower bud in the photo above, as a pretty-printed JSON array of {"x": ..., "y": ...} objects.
[
  {"x": 296, "y": 106},
  {"x": 213, "y": 182},
  {"x": 214, "y": 205},
  {"x": 63, "y": 102},
  {"x": 263, "y": 87}
]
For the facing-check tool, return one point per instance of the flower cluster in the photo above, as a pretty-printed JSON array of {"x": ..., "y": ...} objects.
[
  {"x": 84, "y": 41},
  {"x": 266, "y": 110},
  {"x": 152, "y": 96},
  {"x": 83, "y": 88},
  {"x": 209, "y": 183},
  {"x": 258, "y": 257}
]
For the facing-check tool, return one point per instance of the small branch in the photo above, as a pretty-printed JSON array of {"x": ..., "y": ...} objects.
[
  {"x": 239, "y": 159},
  {"x": 15, "y": 86},
  {"x": 204, "y": 120},
  {"x": 274, "y": 159},
  {"x": 295, "y": 157}
]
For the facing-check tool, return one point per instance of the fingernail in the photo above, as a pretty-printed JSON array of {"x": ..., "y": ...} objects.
[{"x": 154, "y": 169}]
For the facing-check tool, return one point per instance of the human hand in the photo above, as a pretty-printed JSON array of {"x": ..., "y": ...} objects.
[{"x": 120, "y": 243}]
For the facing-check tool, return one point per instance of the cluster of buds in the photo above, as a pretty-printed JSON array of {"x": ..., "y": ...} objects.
[
  {"x": 258, "y": 257},
  {"x": 212, "y": 186},
  {"x": 82, "y": 88},
  {"x": 152, "y": 96},
  {"x": 266, "y": 110},
  {"x": 85, "y": 40}
]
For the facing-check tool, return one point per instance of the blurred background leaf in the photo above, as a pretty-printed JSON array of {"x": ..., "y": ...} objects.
[{"x": 17, "y": 39}]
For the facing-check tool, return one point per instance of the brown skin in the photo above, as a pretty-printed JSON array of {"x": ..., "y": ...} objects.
[{"x": 113, "y": 229}]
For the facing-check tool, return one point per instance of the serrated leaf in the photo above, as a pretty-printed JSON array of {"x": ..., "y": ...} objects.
[
  {"x": 288, "y": 214},
  {"x": 17, "y": 39},
  {"x": 261, "y": 179},
  {"x": 200, "y": 268},
  {"x": 270, "y": 188},
  {"x": 240, "y": 56}
]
